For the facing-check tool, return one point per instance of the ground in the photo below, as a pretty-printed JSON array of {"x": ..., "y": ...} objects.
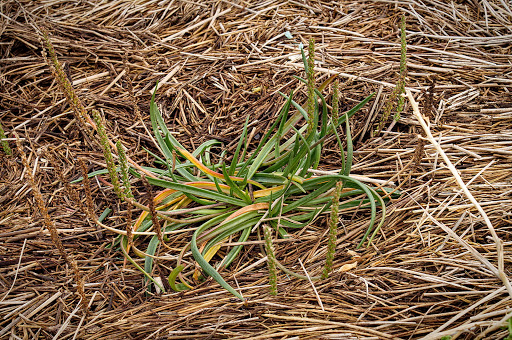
[{"x": 218, "y": 62}]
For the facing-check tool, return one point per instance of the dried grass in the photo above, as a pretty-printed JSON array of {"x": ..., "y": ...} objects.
[{"x": 217, "y": 62}]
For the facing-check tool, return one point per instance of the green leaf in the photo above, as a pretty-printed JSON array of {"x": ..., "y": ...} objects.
[
  {"x": 323, "y": 188},
  {"x": 207, "y": 268},
  {"x": 234, "y": 162},
  {"x": 279, "y": 133},
  {"x": 124, "y": 243},
  {"x": 235, "y": 225},
  {"x": 233, "y": 253},
  {"x": 304, "y": 59},
  {"x": 212, "y": 195},
  {"x": 151, "y": 250},
  {"x": 172, "y": 279},
  {"x": 303, "y": 149},
  {"x": 350, "y": 149},
  {"x": 235, "y": 187}
]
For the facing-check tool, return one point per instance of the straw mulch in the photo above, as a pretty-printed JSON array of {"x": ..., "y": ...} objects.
[{"x": 217, "y": 62}]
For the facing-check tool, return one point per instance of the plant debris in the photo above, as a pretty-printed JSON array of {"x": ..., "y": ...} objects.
[{"x": 218, "y": 62}]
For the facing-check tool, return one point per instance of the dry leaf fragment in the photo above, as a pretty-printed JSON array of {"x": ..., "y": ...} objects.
[
  {"x": 352, "y": 253},
  {"x": 348, "y": 266}
]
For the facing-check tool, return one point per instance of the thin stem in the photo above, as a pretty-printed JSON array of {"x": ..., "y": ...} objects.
[{"x": 271, "y": 259}]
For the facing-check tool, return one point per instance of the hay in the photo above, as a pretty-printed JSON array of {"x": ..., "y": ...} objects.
[{"x": 217, "y": 62}]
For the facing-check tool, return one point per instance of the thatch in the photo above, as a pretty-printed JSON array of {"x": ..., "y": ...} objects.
[{"x": 217, "y": 62}]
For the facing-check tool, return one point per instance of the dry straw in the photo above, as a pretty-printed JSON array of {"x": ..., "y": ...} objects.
[
  {"x": 396, "y": 101},
  {"x": 500, "y": 271},
  {"x": 222, "y": 62},
  {"x": 50, "y": 225},
  {"x": 64, "y": 83}
]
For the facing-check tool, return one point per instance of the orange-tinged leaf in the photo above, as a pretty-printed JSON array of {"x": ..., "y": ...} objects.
[
  {"x": 212, "y": 173},
  {"x": 327, "y": 82},
  {"x": 267, "y": 192},
  {"x": 214, "y": 249},
  {"x": 252, "y": 207}
]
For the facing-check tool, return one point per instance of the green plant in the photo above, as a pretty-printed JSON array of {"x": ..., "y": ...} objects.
[
  {"x": 126, "y": 193},
  {"x": 509, "y": 328},
  {"x": 310, "y": 76},
  {"x": 396, "y": 100},
  {"x": 270, "y": 185},
  {"x": 124, "y": 168},
  {"x": 5, "y": 144},
  {"x": 334, "y": 216},
  {"x": 271, "y": 259},
  {"x": 107, "y": 153}
]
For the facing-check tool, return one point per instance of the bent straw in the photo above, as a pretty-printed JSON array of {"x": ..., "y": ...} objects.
[{"x": 499, "y": 272}]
